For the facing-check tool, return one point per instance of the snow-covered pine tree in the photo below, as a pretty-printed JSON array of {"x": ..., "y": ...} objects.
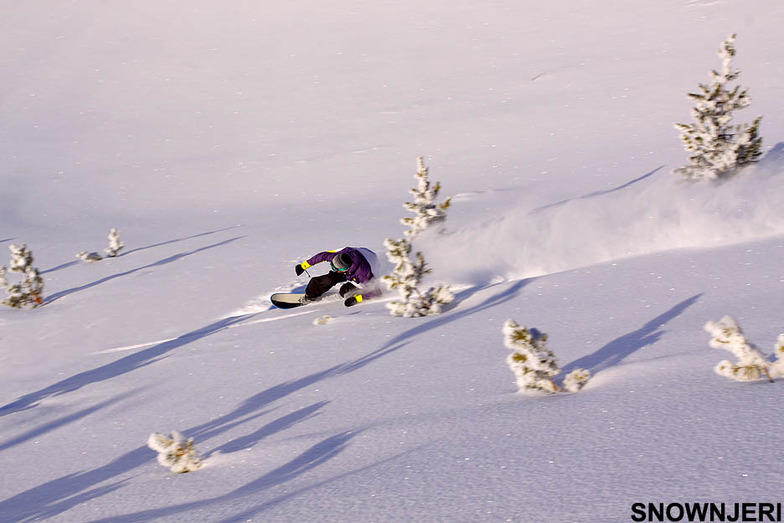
[
  {"x": 533, "y": 364},
  {"x": 427, "y": 212},
  {"x": 115, "y": 245},
  {"x": 752, "y": 364},
  {"x": 719, "y": 150},
  {"x": 406, "y": 278},
  {"x": 407, "y": 274},
  {"x": 28, "y": 293},
  {"x": 175, "y": 452}
]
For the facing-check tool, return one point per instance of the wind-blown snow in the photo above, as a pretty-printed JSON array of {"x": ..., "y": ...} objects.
[{"x": 230, "y": 141}]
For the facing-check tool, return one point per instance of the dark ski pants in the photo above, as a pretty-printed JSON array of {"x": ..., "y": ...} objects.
[{"x": 318, "y": 285}]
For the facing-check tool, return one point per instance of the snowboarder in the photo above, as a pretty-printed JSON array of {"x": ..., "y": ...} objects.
[{"x": 351, "y": 266}]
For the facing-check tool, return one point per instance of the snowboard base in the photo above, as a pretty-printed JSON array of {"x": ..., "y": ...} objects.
[{"x": 287, "y": 300}]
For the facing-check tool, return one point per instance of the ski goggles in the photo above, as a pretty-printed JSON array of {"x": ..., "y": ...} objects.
[{"x": 338, "y": 269}]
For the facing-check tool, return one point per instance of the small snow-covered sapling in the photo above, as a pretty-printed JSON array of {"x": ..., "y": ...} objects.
[
  {"x": 114, "y": 248},
  {"x": 576, "y": 380},
  {"x": 752, "y": 364},
  {"x": 534, "y": 365},
  {"x": 175, "y": 452},
  {"x": 115, "y": 245},
  {"x": 28, "y": 293}
]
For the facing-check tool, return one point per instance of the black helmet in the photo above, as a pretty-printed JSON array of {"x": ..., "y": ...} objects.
[{"x": 341, "y": 262}]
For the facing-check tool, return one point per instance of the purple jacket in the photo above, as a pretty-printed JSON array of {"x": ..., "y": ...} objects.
[{"x": 359, "y": 271}]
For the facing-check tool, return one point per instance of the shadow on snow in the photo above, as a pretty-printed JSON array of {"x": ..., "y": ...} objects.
[
  {"x": 122, "y": 254},
  {"x": 176, "y": 240},
  {"x": 247, "y": 514},
  {"x": 56, "y": 296},
  {"x": 620, "y": 348},
  {"x": 774, "y": 160},
  {"x": 119, "y": 367},
  {"x": 60, "y": 495},
  {"x": 596, "y": 194},
  {"x": 313, "y": 457},
  {"x": 60, "y": 422}
]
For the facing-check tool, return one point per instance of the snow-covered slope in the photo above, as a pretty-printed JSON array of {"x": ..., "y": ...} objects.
[{"x": 228, "y": 143}]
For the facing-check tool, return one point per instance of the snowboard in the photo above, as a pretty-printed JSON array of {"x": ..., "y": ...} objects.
[{"x": 287, "y": 300}]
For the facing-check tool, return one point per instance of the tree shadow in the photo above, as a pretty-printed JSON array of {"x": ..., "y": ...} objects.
[
  {"x": 32, "y": 511},
  {"x": 176, "y": 240},
  {"x": 278, "y": 425},
  {"x": 316, "y": 455},
  {"x": 774, "y": 159},
  {"x": 404, "y": 338},
  {"x": 619, "y": 349},
  {"x": 454, "y": 313},
  {"x": 60, "y": 495},
  {"x": 248, "y": 514},
  {"x": 60, "y": 422},
  {"x": 56, "y": 497},
  {"x": 171, "y": 259},
  {"x": 249, "y": 409},
  {"x": 119, "y": 367},
  {"x": 597, "y": 194},
  {"x": 61, "y": 267},
  {"x": 69, "y": 264},
  {"x": 310, "y": 459}
]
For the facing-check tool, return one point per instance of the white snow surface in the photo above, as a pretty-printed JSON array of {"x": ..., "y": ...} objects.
[{"x": 228, "y": 141}]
